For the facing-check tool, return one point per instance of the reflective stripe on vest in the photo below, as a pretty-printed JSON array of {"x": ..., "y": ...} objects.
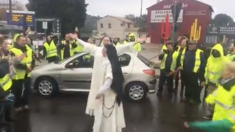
[
  {"x": 173, "y": 63},
  {"x": 197, "y": 60},
  {"x": 223, "y": 105},
  {"x": 50, "y": 49},
  {"x": 6, "y": 82},
  {"x": 213, "y": 76}
]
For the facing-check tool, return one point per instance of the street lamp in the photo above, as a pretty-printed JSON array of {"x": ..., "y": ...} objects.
[{"x": 10, "y": 10}]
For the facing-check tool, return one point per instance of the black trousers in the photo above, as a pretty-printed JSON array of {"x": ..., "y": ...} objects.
[
  {"x": 17, "y": 90},
  {"x": 164, "y": 78},
  {"x": 52, "y": 59},
  {"x": 192, "y": 86},
  {"x": 26, "y": 91},
  {"x": 177, "y": 77}
]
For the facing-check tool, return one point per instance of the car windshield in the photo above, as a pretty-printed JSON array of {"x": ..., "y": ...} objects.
[
  {"x": 144, "y": 60},
  {"x": 61, "y": 61}
]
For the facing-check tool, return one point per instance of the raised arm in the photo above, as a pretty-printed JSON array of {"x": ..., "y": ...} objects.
[
  {"x": 87, "y": 47},
  {"x": 124, "y": 48},
  {"x": 128, "y": 47}
]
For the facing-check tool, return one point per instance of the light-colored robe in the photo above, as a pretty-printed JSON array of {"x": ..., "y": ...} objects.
[
  {"x": 96, "y": 81},
  {"x": 109, "y": 116}
]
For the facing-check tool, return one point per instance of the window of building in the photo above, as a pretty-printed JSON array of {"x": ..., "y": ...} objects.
[
  {"x": 110, "y": 25},
  {"x": 129, "y": 25},
  {"x": 101, "y": 25}
]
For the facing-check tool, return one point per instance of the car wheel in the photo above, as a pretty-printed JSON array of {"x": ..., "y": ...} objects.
[
  {"x": 136, "y": 91},
  {"x": 46, "y": 87}
]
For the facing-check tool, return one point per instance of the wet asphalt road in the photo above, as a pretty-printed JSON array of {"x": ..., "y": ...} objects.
[{"x": 66, "y": 113}]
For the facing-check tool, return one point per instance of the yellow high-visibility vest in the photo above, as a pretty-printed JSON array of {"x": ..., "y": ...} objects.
[
  {"x": 20, "y": 74},
  {"x": 223, "y": 101},
  {"x": 6, "y": 82},
  {"x": 30, "y": 59},
  {"x": 173, "y": 63},
  {"x": 71, "y": 51},
  {"x": 79, "y": 48},
  {"x": 197, "y": 60},
  {"x": 50, "y": 49}
]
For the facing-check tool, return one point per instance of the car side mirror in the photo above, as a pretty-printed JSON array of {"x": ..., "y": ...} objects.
[{"x": 69, "y": 65}]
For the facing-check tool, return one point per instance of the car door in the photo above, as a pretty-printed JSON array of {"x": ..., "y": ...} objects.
[
  {"x": 77, "y": 76},
  {"x": 126, "y": 64}
]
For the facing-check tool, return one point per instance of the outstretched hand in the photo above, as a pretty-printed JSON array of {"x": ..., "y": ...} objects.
[
  {"x": 73, "y": 36},
  {"x": 141, "y": 39}
]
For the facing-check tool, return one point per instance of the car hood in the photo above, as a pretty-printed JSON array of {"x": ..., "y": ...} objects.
[{"x": 50, "y": 66}]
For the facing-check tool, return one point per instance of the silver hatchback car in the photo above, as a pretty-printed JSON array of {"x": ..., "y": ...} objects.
[{"x": 74, "y": 74}]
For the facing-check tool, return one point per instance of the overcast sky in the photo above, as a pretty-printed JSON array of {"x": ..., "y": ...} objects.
[{"x": 123, "y": 7}]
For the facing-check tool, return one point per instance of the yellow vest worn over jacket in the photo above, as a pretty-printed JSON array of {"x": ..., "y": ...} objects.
[
  {"x": 30, "y": 59},
  {"x": 79, "y": 48},
  {"x": 215, "y": 66},
  {"x": 71, "y": 50},
  {"x": 173, "y": 63},
  {"x": 20, "y": 73},
  {"x": 224, "y": 102},
  {"x": 197, "y": 60},
  {"x": 51, "y": 49},
  {"x": 6, "y": 82}
]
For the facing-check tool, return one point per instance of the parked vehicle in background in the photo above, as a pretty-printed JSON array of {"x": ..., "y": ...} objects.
[{"x": 74, "y": 74}]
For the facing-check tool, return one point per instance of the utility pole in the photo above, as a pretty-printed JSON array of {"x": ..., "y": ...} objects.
[
  {"x": 141, "y": 8},
  {"x": 10, "y": 11},
  {"x": 141, "y": 13}
]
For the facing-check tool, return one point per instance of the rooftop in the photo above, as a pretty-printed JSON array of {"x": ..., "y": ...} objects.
[{"x": 121, "y": 19}]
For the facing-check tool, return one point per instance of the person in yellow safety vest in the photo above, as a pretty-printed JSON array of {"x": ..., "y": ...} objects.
[
  {"x": 79, "y": 47},
  {"x": 126, "y": 39},
  {"x": 14, "y": 39},
  {"x": 115, "y": 42},
  {"x": 50, "y": 50},
  {"x": 27, "y": 80},
  {"x": 5, "y": 79},
  {"x": 168, "y": 65},
  {"x": 67, "y": 47},
  {"x": 223, "y": 99},
  {"x": 20, "y": 51},
  {"x": 136, "y": 47},
  {"x": 180, "y": 48},
  {"x": 193, "y": 64},
  {"x": 214, "y": 67},
  {"x": 231, "y": 54}
]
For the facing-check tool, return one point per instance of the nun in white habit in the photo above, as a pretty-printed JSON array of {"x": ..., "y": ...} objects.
[
  {"x": 98, "y": 79},
  {"x": 109, "y": 116}
]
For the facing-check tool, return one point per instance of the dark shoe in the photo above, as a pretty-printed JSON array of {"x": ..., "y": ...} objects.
[
  {"x": 192, "y": 102},
  {"x": 208, "y": 117}
]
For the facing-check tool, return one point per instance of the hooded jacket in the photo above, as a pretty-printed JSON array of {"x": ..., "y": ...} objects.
[{"x": 215, "y": 65}]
